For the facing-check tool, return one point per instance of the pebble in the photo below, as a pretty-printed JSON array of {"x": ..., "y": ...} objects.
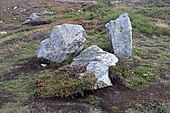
[
  {"x": 1, "y": 22},
  {"x": 3, "y": 33},
  {"x": 43, "y": 65},
  {"x": 15, "y": 7}
]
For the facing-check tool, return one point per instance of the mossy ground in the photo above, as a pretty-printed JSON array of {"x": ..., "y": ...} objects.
[{"x": 64, "y": 82}]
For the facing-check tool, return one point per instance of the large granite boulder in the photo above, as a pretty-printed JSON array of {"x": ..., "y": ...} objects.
[
  {"x": 120, "y": 36},
  {"x": 97, "y": 62},
  {"x": 101, "y": 73},
  {"x": 94, "y": 53},
  {"x": 65, "y": 40}
]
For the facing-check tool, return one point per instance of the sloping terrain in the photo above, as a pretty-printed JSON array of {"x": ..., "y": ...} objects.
[{"x": 19, "y": 67}]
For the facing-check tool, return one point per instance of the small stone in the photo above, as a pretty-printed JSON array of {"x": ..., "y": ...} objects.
[
  {"x": 43, "y": 65},
  {"x": 115, "y": 2},
  {"x": 23, "y": 10},
  {"x": 3, "y": 32},
  {"x": 15, "y": 7},
  {"x": 33, "y": 16},
  {"x": 47, "y": 12},
  {"x": 1, "y": 22}
]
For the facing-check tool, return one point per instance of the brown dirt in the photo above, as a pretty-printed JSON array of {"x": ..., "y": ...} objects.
[
  {"x": 32, "y": 66},
  {"x": 124, "y": 98}
]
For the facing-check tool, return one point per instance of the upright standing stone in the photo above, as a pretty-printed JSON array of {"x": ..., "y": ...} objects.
[{"x": 120, "y": 36}]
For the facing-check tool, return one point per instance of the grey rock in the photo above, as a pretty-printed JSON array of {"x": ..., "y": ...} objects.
[
  {"x": 115, "y": 2},
  {"x": 94, "y": 53},
  {"x": 120, "y": 36},
  {"x": 33, "y": 16},
  {"x": 3, "y": 33},
  {"x": 48, "y": 12},
  {"x": 65, "y": 40},
  {"x": 100, "y": 71},
  {"x": 1, "y": 22}
]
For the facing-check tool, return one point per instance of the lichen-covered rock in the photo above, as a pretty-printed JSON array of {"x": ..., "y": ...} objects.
[
  {"x": 101, "y": 73},
  {"x": 94, "y": 53},
  {"x": 120, "y": 36},
  {"x": 65, "y": 40}
]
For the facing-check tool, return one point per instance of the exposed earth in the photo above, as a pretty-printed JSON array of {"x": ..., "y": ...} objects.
[{"x": 19, "y": 65}]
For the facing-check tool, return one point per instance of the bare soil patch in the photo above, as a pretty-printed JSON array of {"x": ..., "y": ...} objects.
[{"x": 31, "y": 67}]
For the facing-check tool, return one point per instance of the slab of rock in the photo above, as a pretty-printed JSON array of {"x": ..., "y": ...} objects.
[
  {"x": 65, "y": 40},
  {"x": 120, "y": 36},
  {"x": 94, "y": 53},
  {"x": 100, "y": 71},
  {"x": 1, "y": 22}
]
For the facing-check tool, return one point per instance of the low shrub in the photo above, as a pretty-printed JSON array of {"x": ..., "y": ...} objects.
[{"x": 64, "y": 82}]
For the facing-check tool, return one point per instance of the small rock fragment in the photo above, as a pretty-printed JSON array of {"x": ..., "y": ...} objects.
[
  {"x": 3, "y": 32},
  {"x": 43, "y": 65},
  {"x": 1, "y": 22},
  {"x": 33, "y": 16}
]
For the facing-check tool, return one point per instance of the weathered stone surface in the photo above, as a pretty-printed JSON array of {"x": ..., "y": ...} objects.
[
  {"x": 64, "y": 40},
  {"x": 101, "y": 73},
  {"x": 94, "y": 53},
  {"x": 97, "y": 62},
  {"x": 120, "y": 36},
  {"x": 33, "y": 16},
  {"x": 1, "y": 22}
]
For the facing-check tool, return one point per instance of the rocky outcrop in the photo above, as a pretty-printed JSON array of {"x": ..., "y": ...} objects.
[
  {"x": 120, "y": 36},
  {"x": 65, "y": 40},
  {"x": 97, "y": 62},
  {"x": 94, "y": 53}
]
